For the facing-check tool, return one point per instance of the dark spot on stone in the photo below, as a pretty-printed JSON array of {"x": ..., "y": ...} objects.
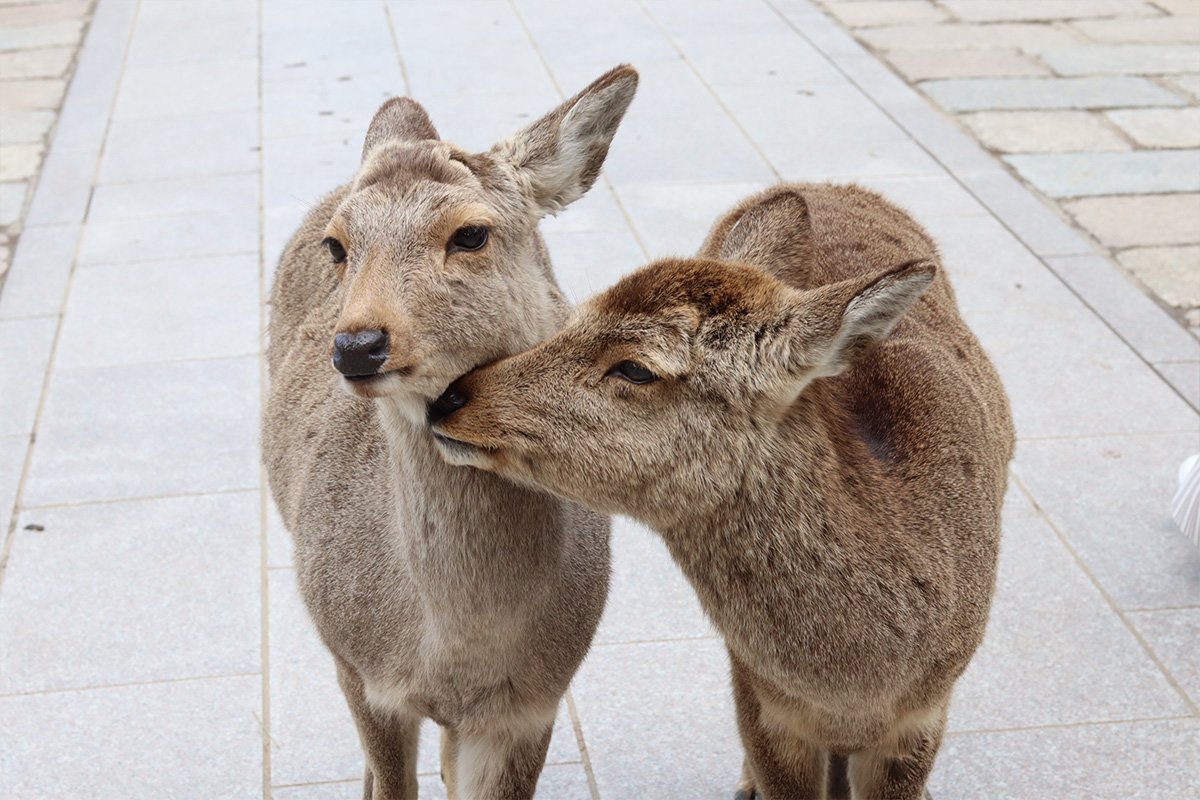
[{"x": 33, "y": 526}]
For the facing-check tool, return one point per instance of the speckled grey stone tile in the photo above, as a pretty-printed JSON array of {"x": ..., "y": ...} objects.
[
  {"x": 659, "y": 716},
  {"x": 313, "y": 738},
  {"x": 649, "y": 598},
  {"x": 1173, "y": 634},
  {"x": 805, "y": 116},
  {"x": 299, "y": 170},
  {"x": 64, "y": 186},
  {"x": 560, "y": 782},
  {"x": 197, "y": 195},
  {"x": 1055, "y": 652},
  {"x": 674, "y": 218},
  {"x": 1024, "y": 214},
  {"x": 587, "y": 262},
  {"x": 776, "y": 59},
  {"x": 174, "y": 741},
  {"x": 1126, "y": 761},
  {"x": 1185, "y": 377},
  {"x": 1137, "y": 318},
  {"x": 189, "y": 87},
  {"x": 324, "y": 107},
  {"x": 111, "y": 433},
  {"x": 180, "y": 146},
  {"x": 25, "y": 347},
  {"x": 1051, "y": 357},
  {"x": 12, "y": 463},
  {"x": 170, "y": 33},
  {"x": 177, "y": 597},
  {"x": 169, "y": 236},
  {"x": 203, "y": 308},
  {"x": 341, "y": 790},
  {"x": 978, "y": 94},
  {"x": 926, "y": 197},
  {"x": 1111, "y": 497},
  {"x": 41, "y": 266}
]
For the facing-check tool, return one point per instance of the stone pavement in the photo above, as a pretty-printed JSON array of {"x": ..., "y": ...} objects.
[
  {"x": 1094, "y": 103},
  {"x": 39, "y": 40},
  {"x": 151, "y": 640}
]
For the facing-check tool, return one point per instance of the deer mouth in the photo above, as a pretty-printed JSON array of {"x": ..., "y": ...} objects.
[{"x": 378, "y": 384}]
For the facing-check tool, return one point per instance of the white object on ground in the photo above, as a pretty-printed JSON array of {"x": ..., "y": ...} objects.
[{"x": 1185, "y": 508}]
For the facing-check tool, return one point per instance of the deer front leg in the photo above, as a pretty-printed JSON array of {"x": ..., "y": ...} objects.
[
  {"x": 898, "y": 776},
  {"x": 389, "y": 742},
  {"x": 450, "y": 763},
  {"x": 502, "y": 765},
  {"x": 778, "y": 764}
]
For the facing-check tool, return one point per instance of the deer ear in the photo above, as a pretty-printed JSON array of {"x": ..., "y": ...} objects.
[
  {"x": 831, "y": 327},
  {"x": 399, "y": 118},
  {"x": 560, "y": 155},
  {"x": 773, "y": 234}
]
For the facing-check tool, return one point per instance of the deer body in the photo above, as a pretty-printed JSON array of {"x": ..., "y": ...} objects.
[
  {"x": 442, "y": 593},
  {"x": 804, "y": 418}
]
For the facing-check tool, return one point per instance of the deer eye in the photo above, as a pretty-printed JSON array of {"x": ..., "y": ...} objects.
[
  {"x": 469, "y": 238},
  {"x": 633, "y": 372},
  {"x": 336, "y": 249}
]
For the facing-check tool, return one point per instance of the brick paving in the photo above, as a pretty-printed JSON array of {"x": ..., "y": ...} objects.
[
  {"x": 152, "y": 643},
  {"x": 39, "y": 40},
  {"x": 1053, "y": 87}
]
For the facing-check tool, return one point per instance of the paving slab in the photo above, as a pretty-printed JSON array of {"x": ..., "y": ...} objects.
[
  {"x": 1160, "y": 127},
  {"x": 1147, "y": 220},
  {"x": 1092, "y": 174},
  {"x": 1043, "y": 131},
  {"x": 980, "y": 94},
  {"x": 1170, "y": 271},
  {"x": 1020, "y": 10},
  {"x": 1121, "y": 59},
  {"x": 1151, "y": 29},
  {"x": 997, "y": 62}
]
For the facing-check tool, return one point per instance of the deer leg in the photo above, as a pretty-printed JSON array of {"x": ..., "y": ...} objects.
[
  {"x": 876, "y": 774},
  {"x": 837, "y": 777},
  {"x": 450, "y": 763},
  {"x": 783, "y": 765},
  {"x": 389, "y": 742},
  {"x": 502, "y": 765},
  {"x": 745, "y": 788}
]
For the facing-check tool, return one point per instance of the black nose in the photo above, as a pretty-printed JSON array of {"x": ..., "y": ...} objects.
[
  {"x": 451, "y": 400},
  {"x": 360, "y": 355}
]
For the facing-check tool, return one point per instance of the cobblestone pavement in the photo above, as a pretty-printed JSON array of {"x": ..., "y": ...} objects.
[
  {"x": 1095, "y": 103},
  {"x": 151, "y": 640},
  {"x": 39, "y": 40}
]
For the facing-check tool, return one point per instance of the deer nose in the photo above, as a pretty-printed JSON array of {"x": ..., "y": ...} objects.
[
  {"x": 360, "y": 355},
  {"x": 451, "y": 400}
]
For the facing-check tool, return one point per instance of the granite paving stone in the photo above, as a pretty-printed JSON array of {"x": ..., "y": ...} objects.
[
  {"x": 1136, "y": 318},
  {"x": 45, "y": 34},
  {"x": 1172, "y": 635},
  {"x": 1091, "y": 174},
  {"x": 24, "y": 13},
  {"x": 19, "y": 162},
  {"x": 12, "y": 201},
  {"x": 1121, "y": 59},
  {"x": 919, "y": 65},
  {"x": 1043, "y": 131},
  {"x": 38, "y": 93},
  {"x": 196, "y": 195},
  {"x": 177, "y": 597},
  {"x": 180, "y": 146},
  {"x": 1151, "y": 29},
  {"x": 152, "y": 740},
  {"x": 870, "y": 13},
  {"x": 1147, "y": 220},
  {"x": 1187, "y": 83},
  {"x": 1138, "y": 554},
  {"x": 25, "y": 126},
  {"x": 12, "y": 464},
  {"x": 981, "y": 94},
  {"x": 168, "y": 236},
  {"x": 1136, "y": 759},
  {"x": 1055, "y": 658},
  {"x": 190, "y": 87},
  {"x": 204, "y": 308},
  {"x": 1022, "y": 10},
  {"x": 49, "y": 62},
  {"x": 931, "y": 36},
  {"x": 1170, "y": 271},
  {"x": 194, "y": 428},
  {"x": 25, "y": 349},
  {"x": 37, "y": 279},
  {"x": 1160, "y": 127},
  {"x": 1185, "y": 377}
]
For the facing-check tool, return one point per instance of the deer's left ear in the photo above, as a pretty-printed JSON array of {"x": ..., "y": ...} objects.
[
  {"x": 560, "y": 155},
  {"x": 831, "y": 327}
]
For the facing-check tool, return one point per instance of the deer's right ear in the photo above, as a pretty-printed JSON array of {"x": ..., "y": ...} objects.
[
  {"x": 399, "y": 118},
  {"x": 771, "y": 234},
  {"x": 560, "y": 155}
]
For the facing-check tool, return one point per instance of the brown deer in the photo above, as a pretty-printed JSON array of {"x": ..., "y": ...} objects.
[
  {"x": 804, "y": 418},
  {"x": 442, "y": 593}
]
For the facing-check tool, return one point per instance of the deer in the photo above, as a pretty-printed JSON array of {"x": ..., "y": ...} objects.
[
  {"x": 802, "y": 415},
  {"x": 443, "y": 594}
]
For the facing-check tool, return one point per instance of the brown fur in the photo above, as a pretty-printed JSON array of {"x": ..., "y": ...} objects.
[
  {"x": 442, "y": 593},
  {"x": 824, "y": 453}
]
